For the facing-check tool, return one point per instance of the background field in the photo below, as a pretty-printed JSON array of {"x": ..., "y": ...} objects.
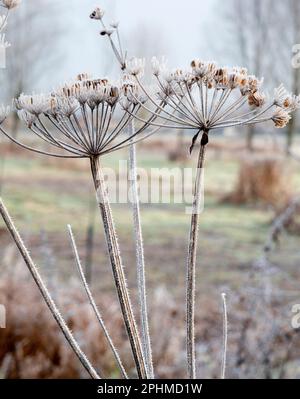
[{"x": 43, "y": 196}]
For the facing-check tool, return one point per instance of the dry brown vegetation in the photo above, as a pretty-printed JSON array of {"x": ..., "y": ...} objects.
[
  {"x": 262, "y": 179},
  {"x": 261, "y": 345}
]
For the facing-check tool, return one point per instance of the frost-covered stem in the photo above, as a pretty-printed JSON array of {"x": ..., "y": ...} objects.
[
  {"x": 45, "y": 293},
  {"x": 191, "y": 262},
  {"x": 225, "y": 336},
  {"x": 4, "y": 21},
  {"x": 139, "y": 248},
  {"x": 93, "y": 303},
  {"x": 117, "y": 267}
]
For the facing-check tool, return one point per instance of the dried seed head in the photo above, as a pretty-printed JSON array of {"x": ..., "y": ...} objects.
[
  {"x": 203, "y": 70},
  {"x": 158, "y": 66},
  {"x": 35, "y": 104},
  {"x": 27, "y": 117},
  {"x": 114, "y": 24},
  {"x": 10, "y": 4},
  {"x": 83, "y": 76},
  {"x": 254, "y": 83},
  {"x": 98, "y": 13},
  {"x": 135, "y": 66},
  {"x": 286, "y": 100},
  {"x": 281, "y": 118},
  {"x": 107, "y": 32},
  {"x": 221, "y": 78},
  {"x": 65, "y": 106},
  {"x": 256, "y": 99}
]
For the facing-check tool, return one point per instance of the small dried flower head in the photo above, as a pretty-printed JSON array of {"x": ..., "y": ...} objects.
[
  {"x": 158, "y": 66},
  {"x": 4, "y": 111},
  {"x": 98, "y": 13},
  {"x": 281, "y": 118},
  {"x": 107, "y": 32},
  {"x": 10, "y": 4},
  {"x": 203, "y": 70},
  {"x": 286, "y": 100},
  {"x": 36, "y": 103},
  {"x": 221, "y": 77},
  {"x": 114, "y": 24},
  {"x": 113, "y": 95},
  {"x": 135, "y": 66},
  {"x": 280, "y": 93},
  {"x": 132, "y": 95},
  {"x": 256, "y": 99},
  {"x": 65, "y": 106},
  {"x": 83, "y": 76},
  {"x": 27, "y": 117},
  {"x": 234, "y": 80},
  {"x": 254, "y": 83}
]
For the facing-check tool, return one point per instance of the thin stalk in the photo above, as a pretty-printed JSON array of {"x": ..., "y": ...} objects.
[
  {"x": 45, "y": 293},
  {"x": 225, "y": 336},
  {"x": 139, "y": 248},
  {"x": 191, "y": 262},
  {"x": 93, "y": 303},
  {"x": 117, "y": 267}
]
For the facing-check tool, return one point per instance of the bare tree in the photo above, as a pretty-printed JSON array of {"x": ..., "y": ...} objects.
[
  {"x": 254, "y": 32},
  {"x": 34, "y": 32},
  {"x": 294, "y": 17}
]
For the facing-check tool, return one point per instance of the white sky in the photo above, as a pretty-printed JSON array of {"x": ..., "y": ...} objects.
[{"x": 184, "y": 26}]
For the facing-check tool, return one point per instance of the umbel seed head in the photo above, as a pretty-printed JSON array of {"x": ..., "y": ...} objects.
[{"x": 98, "y": 13}]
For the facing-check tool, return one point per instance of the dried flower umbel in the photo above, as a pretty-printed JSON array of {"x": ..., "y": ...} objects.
[
  {"x": 206, "y": 97},
  {"x": 87, "y": 119}
]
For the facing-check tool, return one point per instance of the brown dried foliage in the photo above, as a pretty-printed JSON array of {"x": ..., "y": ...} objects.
[{"x": 264, "y": 180}]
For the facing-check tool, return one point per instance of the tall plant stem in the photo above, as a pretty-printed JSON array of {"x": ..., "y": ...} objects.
[
  {"x": 225, "y": 336},
  {"x": 45, "y": 293},
  {"x": 139, "y": 249},
  {"x": 117, "y": 267},
  {"x": 191, "y": 262}
]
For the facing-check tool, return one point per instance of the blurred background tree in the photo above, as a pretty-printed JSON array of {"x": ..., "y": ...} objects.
[{"x": 34, "y": 32}]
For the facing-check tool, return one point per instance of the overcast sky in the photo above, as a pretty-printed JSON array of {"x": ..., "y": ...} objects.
[{"x": 181, "y": 29}]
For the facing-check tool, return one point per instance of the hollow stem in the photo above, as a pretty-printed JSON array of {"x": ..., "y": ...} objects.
[
  {"x": 117, "y": 267},
  {"x": 191, "y": 262},
  {"x": 139, "y": 248},
  {"x": 45, "y": 293}
]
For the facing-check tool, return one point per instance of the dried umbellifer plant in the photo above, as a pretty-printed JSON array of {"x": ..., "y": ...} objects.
[
  {"x": 204, "y": 98},
  {"x": 88, "y": 119}
]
